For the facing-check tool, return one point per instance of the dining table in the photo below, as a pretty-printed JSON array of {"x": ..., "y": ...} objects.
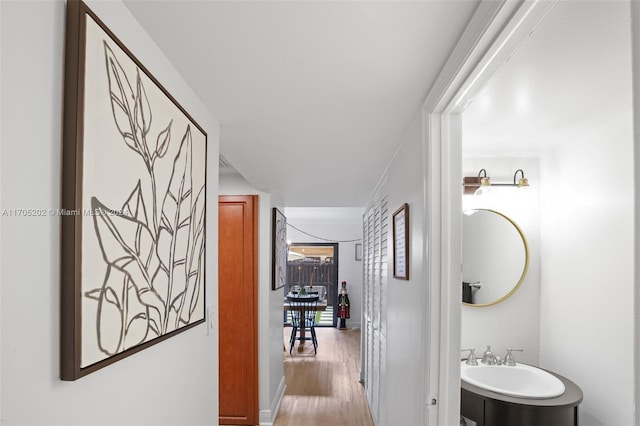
[{"x": 321, "y": 305}]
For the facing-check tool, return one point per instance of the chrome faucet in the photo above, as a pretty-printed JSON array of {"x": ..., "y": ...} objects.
[
  {"x": 509, "y": 359},
  {"x": 488, "y": 357}
]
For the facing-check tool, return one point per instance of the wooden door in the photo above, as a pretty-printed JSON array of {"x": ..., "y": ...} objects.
[{"x": 238, "y": 301}]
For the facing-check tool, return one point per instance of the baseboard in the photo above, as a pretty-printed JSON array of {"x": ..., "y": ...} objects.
[
  {"x": 265, "y": 418},
  {"x": 268, "y": 417},
  {"x": 355, "y": 324},
  {"x": 275, "y": 407}
]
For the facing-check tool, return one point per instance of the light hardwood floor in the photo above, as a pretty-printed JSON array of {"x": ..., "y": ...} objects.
[{"x": 323, "y": 390}]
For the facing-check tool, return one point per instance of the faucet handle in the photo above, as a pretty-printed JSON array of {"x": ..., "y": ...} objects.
[
  {"x": 509, "y": 359},
  {"x": 472, "y": 359}
]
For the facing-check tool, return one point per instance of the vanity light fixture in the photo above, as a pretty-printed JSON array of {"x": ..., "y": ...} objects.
[
  {"x": 482, "y": 183},
  {"x": 523, "y": 182}
]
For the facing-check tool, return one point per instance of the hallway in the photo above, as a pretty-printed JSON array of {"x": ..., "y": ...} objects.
[{"x": 324, "y": 390}]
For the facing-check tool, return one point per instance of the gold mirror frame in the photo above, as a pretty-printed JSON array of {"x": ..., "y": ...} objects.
[{"x": 524, "y": 271}]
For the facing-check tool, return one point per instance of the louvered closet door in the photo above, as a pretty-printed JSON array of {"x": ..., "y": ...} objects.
[
  {"x": 375, "y": 236},
  {"x": 368, "y": 305}
]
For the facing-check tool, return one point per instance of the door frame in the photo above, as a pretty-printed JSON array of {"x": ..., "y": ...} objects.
[
  {"x": 496, "y": 30},
  {"x": 336, "y": 262}
]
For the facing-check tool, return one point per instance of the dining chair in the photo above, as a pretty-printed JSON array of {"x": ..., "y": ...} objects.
[{"x": 303, "y": 318}]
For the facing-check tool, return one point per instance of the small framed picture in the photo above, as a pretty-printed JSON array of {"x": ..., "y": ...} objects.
[
  {"x": 401, "y": 243},
  {"x": 279, "y": 253},
  {"x": 358, "y": 251}
]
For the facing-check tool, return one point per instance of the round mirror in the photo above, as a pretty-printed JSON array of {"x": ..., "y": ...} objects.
[{"x": 495, "y": 257}]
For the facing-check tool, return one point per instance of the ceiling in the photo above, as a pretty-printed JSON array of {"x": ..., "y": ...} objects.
[
  {"x": 573, "y": 71},
  {"x": 313, "y": 97}
]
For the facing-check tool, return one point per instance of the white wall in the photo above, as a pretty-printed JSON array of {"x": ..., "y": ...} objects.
[
  {"x": 587, "y": 303},
  {"x": 270, "y": 326},
  {"x": 587, "y": 276},
  {"x": 515, "y": 322},
  {"x": 635, "y": 45},
  {"x": 402, "y": 398},
  {"x": 173, "y": 382},
  {"x": 337, "y": 224}
]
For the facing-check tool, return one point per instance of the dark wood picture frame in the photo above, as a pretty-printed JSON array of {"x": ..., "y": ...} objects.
[
  {"x": 400, "y": 224},
  {"x": 133, "y": 231},
  {"x": 279, "y": 250}
]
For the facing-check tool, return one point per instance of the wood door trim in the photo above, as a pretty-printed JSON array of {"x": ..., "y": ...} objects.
[{"x": 251, "y": 242}]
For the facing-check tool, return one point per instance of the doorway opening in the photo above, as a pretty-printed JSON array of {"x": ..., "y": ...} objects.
[{"x": 314, "y": 266}]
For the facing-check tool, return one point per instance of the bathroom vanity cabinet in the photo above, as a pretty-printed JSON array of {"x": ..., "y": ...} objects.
[{"x": 488, "y": 408}]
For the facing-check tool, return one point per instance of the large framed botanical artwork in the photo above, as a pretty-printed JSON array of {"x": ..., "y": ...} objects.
[{"x": 133, "y": 204}]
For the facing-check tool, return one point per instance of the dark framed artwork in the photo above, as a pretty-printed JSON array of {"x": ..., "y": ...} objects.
[
  {"x": 133, "y": 204},
  {"x": 279, "y": 253},
  {"x": 401, "y": 243}
]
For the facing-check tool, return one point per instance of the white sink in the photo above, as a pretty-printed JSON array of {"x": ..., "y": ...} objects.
[{"x": 523, "y": 381}]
